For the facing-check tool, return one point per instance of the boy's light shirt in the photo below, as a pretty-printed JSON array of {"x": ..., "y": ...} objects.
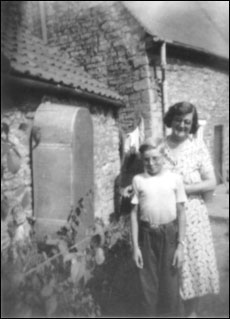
[{"x": 158, "y": 195}]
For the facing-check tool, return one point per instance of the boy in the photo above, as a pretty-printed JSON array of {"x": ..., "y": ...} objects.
[{"x": 158, "y": 230}]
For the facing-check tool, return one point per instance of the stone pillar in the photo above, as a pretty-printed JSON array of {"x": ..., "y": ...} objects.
[{"x": 63, "y": 167}]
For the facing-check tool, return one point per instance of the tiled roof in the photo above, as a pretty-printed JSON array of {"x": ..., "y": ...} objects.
[
  {"x": 200, "y": 25},
  {"x": 30, "y": 57}
]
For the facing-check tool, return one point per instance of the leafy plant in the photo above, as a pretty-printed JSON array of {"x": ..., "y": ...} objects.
[
  {"x": 63, "y": 276},
  {"x": 114, "y": 284},
  {"x": 50, "y": 277}
]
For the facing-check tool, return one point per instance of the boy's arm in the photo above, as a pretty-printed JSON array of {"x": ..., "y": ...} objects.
[
  {"x": 179, "y": 253},
  {"x": 137, "y": 256}
]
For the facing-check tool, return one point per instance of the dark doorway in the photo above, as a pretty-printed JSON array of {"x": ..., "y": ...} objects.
[{"x": 218, "y": 151}]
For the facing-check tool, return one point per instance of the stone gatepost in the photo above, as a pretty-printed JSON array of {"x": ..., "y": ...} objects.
[{"x": 63, "y": 176}]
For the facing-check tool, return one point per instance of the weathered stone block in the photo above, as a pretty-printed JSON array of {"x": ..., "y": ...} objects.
[
  {"x": 139, "y": 61},
  {"x": 140, "y": 85},
  {"x": 63, "y": 166}
]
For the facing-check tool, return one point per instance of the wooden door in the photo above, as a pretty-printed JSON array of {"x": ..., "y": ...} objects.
[{"x": 218, "y": 152}]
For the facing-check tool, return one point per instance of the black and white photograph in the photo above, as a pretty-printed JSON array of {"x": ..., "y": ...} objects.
[{"x": 114, "y": 159}]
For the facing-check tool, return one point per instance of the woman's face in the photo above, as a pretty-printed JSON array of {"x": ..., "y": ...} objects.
[{"x": 181, "y": 126}]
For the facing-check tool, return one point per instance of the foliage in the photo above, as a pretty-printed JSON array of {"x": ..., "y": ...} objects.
[
  {"x": 60, "y": 276},
  {"x": 11, "y": 162},
  {"x": 51, "y": 290},
  {"x": 114, "y": 285},
  {"x": 57, "y": 277},
  {"x": 49, "y": 278}
]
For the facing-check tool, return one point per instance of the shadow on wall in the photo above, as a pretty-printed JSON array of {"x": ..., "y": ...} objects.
[{"x": 131, "y": 166}]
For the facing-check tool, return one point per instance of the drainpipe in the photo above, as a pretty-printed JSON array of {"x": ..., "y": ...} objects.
[
  {"x": 43, "y": 21},
  {"x": 163, "y": 81}
]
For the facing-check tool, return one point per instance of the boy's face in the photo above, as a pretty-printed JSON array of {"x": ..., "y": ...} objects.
[{"x": 153, "y": 161}]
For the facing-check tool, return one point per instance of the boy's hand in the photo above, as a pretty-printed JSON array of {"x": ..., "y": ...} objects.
[
  {"x": 137, "y": 256},
  {"x": 178, "y": 257}
]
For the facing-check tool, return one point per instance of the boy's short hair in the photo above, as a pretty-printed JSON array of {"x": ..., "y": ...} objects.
[{"x": 150, "y": 144}]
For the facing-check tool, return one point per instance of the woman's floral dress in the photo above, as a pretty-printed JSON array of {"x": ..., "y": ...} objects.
[{"x": 199, "y": 270}]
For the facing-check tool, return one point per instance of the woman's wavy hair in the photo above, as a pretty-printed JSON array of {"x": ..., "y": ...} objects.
[{"x": 182, "y": 108}]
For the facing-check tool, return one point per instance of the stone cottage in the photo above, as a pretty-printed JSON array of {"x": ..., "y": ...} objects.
[
  {"x": 60, "y": 139},
  {"x": 118, "y": 44},
  {"x": 150, "y": 58}
]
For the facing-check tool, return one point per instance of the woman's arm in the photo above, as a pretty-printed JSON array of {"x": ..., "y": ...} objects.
[
  {"x": 137, "y": 256},
  {"x": 181, "y": 222},
  {"x": 179, "y": 253},
  {"x": 207, "y": 185}
]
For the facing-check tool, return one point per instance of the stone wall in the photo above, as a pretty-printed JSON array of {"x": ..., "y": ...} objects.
[
  {"x": 16, "y": 179},
  {"x": 107, "y": 163},
  {"x": 106, "y": 152},
  {"x": 108, "y": 43},
  {"x": 18, "y": 186}
]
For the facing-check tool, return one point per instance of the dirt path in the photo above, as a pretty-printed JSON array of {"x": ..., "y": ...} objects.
[{"x": 218, "y": 306}]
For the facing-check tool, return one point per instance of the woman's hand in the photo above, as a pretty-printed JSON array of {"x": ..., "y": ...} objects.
[
  {"x": 178, "y": 257},
  {"x": 137, "y": 257},
  {"x": 127, "y": 192}
]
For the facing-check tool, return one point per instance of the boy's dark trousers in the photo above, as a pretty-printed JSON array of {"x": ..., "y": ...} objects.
[{"x": 159, "y": 279}]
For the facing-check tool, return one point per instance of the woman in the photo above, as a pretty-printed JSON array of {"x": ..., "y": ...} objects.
[{"x": 188, "y": 156}]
